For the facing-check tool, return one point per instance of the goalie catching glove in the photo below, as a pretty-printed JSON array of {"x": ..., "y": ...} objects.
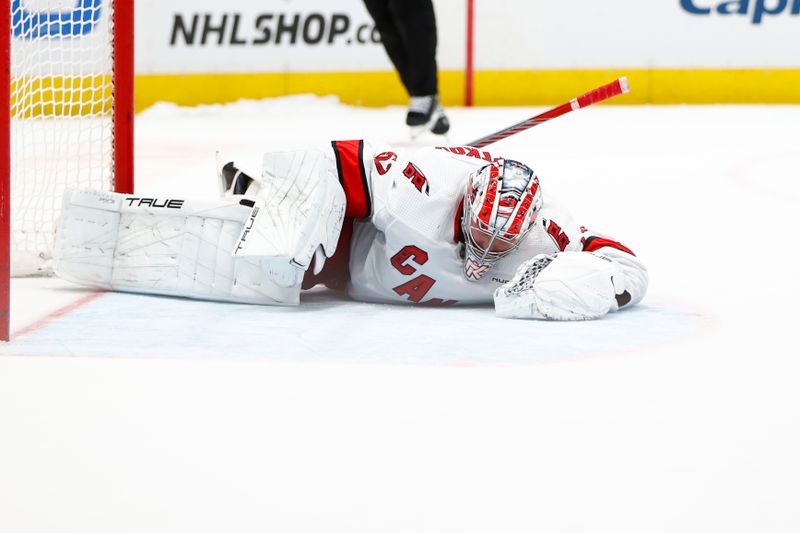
[{"x": 563, "y": 286}]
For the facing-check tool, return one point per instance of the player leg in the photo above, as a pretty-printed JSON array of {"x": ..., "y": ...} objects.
[
  {"x": 252, "y": 249},
  {"x": 416, "y": 24},
  {"x": 390, "y": 37},
  {"x": 165, "y": 246}
]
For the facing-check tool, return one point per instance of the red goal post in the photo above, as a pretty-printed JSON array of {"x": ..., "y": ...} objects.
[
  {"x": 68, "y": 101},
  {"x": 5, "y": 173}
]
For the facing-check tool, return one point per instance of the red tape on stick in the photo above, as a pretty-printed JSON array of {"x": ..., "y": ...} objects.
[{"x": 615, "y": 88}]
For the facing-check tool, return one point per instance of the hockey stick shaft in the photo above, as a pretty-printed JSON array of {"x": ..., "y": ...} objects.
[{"x": 610, "y": 90}]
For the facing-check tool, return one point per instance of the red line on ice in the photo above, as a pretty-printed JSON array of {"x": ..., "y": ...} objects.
[{"x": 55, "y": 315}]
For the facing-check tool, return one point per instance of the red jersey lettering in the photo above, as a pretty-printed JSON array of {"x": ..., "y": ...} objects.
[
  {"x": 413, "y": 253},
  {"x": 383, "y": 162}
]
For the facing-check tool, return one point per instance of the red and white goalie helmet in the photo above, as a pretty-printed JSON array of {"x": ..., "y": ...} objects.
[{"x": 500, "y": 207}]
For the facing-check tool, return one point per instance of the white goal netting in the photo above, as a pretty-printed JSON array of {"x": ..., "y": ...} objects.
[{"x": 61, "y": 116}]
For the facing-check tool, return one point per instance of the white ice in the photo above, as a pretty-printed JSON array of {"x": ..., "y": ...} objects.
[{"x": 132, "y": 413}]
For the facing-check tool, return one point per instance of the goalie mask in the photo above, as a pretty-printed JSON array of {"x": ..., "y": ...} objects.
[{"x": 500, "y": 207}]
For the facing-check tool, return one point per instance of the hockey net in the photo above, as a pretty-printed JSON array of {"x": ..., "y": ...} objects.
[{"x": 70, "y": 113}]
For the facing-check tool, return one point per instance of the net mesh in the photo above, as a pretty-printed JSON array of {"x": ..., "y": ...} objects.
[
  {"x": 61, "y": 116},
  {"x": 523, "y": 280}
]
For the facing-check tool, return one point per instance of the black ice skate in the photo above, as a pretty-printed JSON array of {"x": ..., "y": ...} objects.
[{"x": 426, "y": 114}]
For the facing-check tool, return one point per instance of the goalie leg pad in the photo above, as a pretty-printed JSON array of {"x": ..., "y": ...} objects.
[
  {"x": 161, "y": 246},
  {"x": 565, "y": 286},
  {"x": 298, "y": 215}
]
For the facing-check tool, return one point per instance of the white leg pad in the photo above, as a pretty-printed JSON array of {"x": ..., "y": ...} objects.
[
  {"x": 161, "y": 246},
  {"x": 299, "y": 212}
]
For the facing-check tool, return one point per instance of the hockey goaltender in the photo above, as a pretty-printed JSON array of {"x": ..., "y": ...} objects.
[{"x": 429, "y": 226}]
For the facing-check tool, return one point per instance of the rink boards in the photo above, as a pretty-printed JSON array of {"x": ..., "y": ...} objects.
[{"x": 523, "y": 53}]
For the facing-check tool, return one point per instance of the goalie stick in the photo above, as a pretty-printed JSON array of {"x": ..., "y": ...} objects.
[
  {"x": 610, "y": 90},
  {"x": 229, "y": 172}
]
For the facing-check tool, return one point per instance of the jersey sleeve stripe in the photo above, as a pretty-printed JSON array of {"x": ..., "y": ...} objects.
[
  {"x": 595, "y": 243},
  {"x": 353, "y": 177}
]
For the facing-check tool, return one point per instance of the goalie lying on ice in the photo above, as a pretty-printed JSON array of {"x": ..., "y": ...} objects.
[{"x": 445, "y": 225}]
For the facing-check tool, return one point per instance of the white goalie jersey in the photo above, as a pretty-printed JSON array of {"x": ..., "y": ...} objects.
[{"x": 407, "y": 245}]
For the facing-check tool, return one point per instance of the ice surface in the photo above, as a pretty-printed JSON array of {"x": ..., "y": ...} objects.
[
  {"x": 680, "y": 415},
  {"x": 312, "y": 332}
]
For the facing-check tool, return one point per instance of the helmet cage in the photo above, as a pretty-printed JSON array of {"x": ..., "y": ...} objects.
[
  {"x": 500, "y": 214},
  {"x": 485, "y": 254}
]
